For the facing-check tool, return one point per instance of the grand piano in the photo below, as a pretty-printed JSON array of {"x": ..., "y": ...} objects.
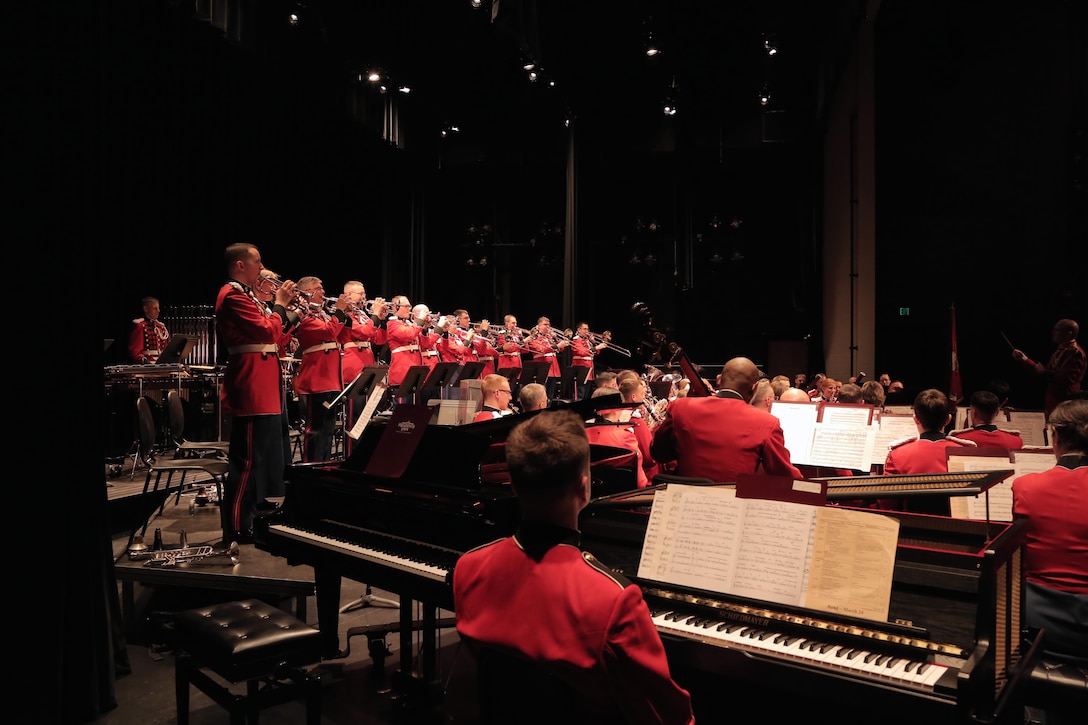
[
  {"x": 952, "y": 650},
  {"x": 404, "y": 534}
]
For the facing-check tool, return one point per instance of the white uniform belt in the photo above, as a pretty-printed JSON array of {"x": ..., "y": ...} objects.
[
  {"x": 547, "y": 354},
  {"x": 405, "y": 348},
  {"x": 511, "y": 354},
  {"x": 429, "y": 353},
  {"x": 322, "y": 346},
  {"x": 359, "y": 345},
  {"x": 239, "y": 349},
  {"x": 152, "y": 352},
  {"x": 582, "y": 357}
]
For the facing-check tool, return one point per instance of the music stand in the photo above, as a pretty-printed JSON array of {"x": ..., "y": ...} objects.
[
  {"x": 660, "y": 389},
  {"x": 408, "y": 390},
  {"x": 176, "y": 350},
  {"x": 468, "y": 371},
  {"x": 573, "y": 378},
  {"x": 441, "y": 376},
  {"x": 534, "y": 372},
  {"x": 362, "y": 385}
]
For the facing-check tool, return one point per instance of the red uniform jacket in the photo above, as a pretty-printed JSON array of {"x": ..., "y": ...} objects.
[
  {"x": 582, "y": 355},
  {"x": 717, "y": 438},
  {"x": 1055, "y": 504},
  {"x": 358, "y": 352},
  {"x": 990, "y": 436},
  {"x": 452, "y": 347},
  {"x": 147, "y": 340},
  {"x": 319, "y": 371},
  {"x": 510, "y": 349},
  {"x": 645, "y": 437},
  {"x": 543, "y": 351},
  {"x": 619, "y": 436},
  {"x": 402, "y": 336},
  {"x": 920, "y": 454},
  {"x": 428, "y": 347},
  {"x": 486, "y": 354},
  {"x": 538, "y": 595},
  {"x": 1064, "y": 373},
  {"x": 250, "y": 332}
]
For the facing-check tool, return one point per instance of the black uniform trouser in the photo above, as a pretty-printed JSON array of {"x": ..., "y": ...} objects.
[
  {"x": 320, "y": 427},
  {"x": 255, "y": 464}
]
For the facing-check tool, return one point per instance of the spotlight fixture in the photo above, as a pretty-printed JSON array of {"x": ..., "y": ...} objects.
[
  {"x": 477, "y": 4},
  {"x": 404, "y": 89},
  {"x": 533, "y": 76},
  {"x": 449, "y": 130},
  {"x": 670, "y": 105},
  {"x": 771, "y": 49},
  {"x": 294, "y": 18},
  {"x": 765, "y": 95},
  {"x": 651, "y": 45},
  {"x": 374, "y": 76}
]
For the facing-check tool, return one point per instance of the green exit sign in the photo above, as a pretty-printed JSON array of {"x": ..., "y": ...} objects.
[{"x": 904, "y": 312}]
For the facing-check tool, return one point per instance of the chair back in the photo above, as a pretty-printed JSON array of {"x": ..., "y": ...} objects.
[
  {"x": 145, "y": 427},
  {"x": 176, "y": 416},
  {"x": 513, "y": 689}
]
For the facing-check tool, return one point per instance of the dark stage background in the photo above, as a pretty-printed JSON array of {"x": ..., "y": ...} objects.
[{"x": 712, "y": 218}]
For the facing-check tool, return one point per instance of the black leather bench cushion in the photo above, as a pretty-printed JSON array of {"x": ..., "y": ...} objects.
[{"x": 247, "y": 639}]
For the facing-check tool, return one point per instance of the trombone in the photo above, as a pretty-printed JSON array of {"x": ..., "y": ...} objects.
[{"x": 606, "y": 338}]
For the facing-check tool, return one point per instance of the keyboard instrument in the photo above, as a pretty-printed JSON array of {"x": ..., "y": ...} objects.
[
  {"x": 952, "y": 649},
  {"x": 405, "y": 534}
]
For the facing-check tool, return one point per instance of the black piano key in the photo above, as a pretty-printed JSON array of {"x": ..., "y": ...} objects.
[
  {"x": 854, "y": 654},
  {"x": 870, "y": 657},
  {"x": 882, "y": 660}
]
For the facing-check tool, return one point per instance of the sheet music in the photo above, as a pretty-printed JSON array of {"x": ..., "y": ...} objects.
[
  {"x": 1030, "y": 423},
  {"x": 974, "y": 507},
  {"x": 891, "y": 428},
  {"x": 838, "y": 446},
  {"x": 376, "y": 394},
  {"x": 703, "y": 537},
  {"x": 798, "y": 421}
]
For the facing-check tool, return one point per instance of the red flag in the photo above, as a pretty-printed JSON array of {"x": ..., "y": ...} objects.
[{"x": 955, "y": 385}]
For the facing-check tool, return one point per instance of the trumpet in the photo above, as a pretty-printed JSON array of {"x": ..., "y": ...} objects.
[{"x": 173, "y": 557}]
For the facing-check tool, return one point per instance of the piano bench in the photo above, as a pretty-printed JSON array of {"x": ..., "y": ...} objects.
[
  {"x": 247, "y": 641},
  {"x": 1057, "y": 685}
]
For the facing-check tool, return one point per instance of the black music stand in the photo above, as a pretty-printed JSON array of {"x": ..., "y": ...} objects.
[
  {"x": 362, "y": 386},
  {"x": 409, "y": 388},
  {"x": 468, "y": 371},
  {"x": 660, "y": 389},
  {"x": 176, "y": 350},
  {"x": 534, "y": 372},
  {"x": 572, "y": 380},
  {"x": 441, "y": 377}
]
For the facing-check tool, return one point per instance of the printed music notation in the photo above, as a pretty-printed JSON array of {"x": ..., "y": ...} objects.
[
  {"x": 995, "y": 504},
  {"x": 703, "y": 537}
]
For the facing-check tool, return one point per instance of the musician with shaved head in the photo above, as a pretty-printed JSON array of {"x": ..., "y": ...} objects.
[{"x": 723, "y": 436}]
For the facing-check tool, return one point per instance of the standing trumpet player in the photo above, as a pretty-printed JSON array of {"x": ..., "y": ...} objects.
[
  {"x": 320, "y": 374},
  {"x": 252, "y": 395},
  {"x": 546, "y": 344}
]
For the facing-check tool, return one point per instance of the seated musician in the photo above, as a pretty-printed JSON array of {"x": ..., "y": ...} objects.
[
  {"x": 535, "y": 601},
  {"x": 924, "y": 453},
  {"x": 533, "y": 396},
  {"x": 496, "y": 396},
  {"x": 984, "y": 409},
  {"x": 718, "y": 437},
  {"x": 1054, "y": 507},
  {"x": 615, "y": 428}
]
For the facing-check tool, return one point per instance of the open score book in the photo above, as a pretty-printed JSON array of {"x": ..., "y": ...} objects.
[{"x": 819, "y": 557}]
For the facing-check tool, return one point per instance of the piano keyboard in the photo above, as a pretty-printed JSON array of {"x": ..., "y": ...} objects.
[
  {"x": 839, "y": 657},
  {"x": 407, "y": 555}
]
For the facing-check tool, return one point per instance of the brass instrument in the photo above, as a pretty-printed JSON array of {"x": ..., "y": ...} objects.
[
  {"x": 606, "y": 338},
  {"x": 173, "y": 557}
]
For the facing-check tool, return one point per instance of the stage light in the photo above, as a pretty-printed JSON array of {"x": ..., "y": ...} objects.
[
  {"x": 669, "y": 107},
  {"x": 374, "y": 76},
  {"x": 477, "y": 4},
  {"x": 404, "y": 89},
  {"x": 771, "y": 49},
  {"x": 765, "y": 95}
]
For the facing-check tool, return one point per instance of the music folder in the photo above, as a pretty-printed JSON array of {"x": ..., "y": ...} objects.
[
  {"x": 468, "y": 371},
  {"x": 176, "y": 350},
  {"x": 399, "y": 441}
]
